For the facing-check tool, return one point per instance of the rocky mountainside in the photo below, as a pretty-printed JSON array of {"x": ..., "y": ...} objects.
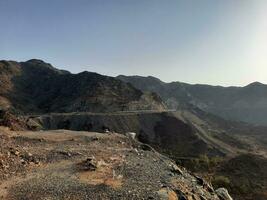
[
  {"x": 36, "y": 96},
  {"x": 184, "y": 133},
  {"x": 165, "y": 131},
  {"x": 187, "y": 132},
  {"x": 74, "y": 165},
  {"x": 37, "y": 87},
  {"x": 185, "y": 136},
  {"x": 228, "y": 154},
  {"x": 248, "y": 104}
]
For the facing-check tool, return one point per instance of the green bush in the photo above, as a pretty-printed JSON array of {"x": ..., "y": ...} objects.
[{"x": 220, "y": 181}]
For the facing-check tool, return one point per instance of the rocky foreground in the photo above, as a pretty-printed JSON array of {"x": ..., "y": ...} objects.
[{"x": 73, "y": 165}]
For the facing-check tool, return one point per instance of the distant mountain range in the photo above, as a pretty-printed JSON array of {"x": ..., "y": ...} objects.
[
  {"x": 248, "y": 104},
  {"x": 37, "y": 87}
]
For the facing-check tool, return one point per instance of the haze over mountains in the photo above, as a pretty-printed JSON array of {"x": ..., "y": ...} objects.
[{"x": 247, "y": 104}]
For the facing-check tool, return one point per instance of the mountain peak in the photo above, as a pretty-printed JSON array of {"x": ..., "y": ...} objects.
[
  {"x": 255, "y": 84},
  {"x": 38, "y": 64},
  {"x": 140, "y": 79},
  {"x": 36, "y": 61}
]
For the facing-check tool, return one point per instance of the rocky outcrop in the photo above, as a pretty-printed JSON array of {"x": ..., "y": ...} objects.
[{"x": 16, "y": 123}]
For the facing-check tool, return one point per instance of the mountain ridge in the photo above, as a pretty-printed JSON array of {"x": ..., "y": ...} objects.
[
  {"x": 246, "y": 104},
  {"x": 46, "y": 98},
  {"x": 38, "y": 87},
  {"x": 181, "y": 82}
]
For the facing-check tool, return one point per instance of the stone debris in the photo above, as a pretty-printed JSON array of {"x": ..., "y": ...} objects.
[
  {"x": 90, "y": 164},
  {"x": 65, "y": 153},
  {"x": 121, "y": 171},
  {"x": 14, "y": 152},
  {"x": 200, "y": 181}
]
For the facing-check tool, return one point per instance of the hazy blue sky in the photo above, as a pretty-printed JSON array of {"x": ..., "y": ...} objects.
[{"x": 202, "y": 41}]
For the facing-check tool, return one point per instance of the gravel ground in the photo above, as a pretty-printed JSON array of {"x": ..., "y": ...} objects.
[{"x": 49, "y": 168}]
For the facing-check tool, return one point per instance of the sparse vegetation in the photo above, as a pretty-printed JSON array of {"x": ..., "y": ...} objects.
[
  {"x": 220, "y": 181},
  {"x": 201, "y": 164}
]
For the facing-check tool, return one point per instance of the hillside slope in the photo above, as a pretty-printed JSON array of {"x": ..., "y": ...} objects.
[
  {"x": 62, "y": 164},
  {"x": 179, "y": 134},
  {"x": 37, "y": 87},
  {"x": 248, "y": 104},
  {"x": 185, "y": 136}
]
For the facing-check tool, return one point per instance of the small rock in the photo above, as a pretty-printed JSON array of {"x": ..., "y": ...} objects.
[
  {"x": 167, "y": 194},
  {"x": 176, "y": 169},
  {"x": 120, "y": 176},
  {"x": 204, "y": 184},
  {"x": 203, "y": 198},
  {"x": 23, "y": 162},
  {"x": 37, "y": 162},
  {"x": 223, "y": 194},
  {"x": 200, "y": 181},
  {"x": 209, "y": 187},
  {"x": 106, "y": 130},
  {"x": 15, "y": 152},
  {"x": 121, "y": 142},
  {"x": 181, "y": 195},
  {"x": 65, "y": 153},
  {"x": 95, "y": 138},
  {"x": 131, "y": 135},
  {"x": 89, "y": 164},
  {"x": 29, "y": 154},
  {"x": 101, "y": 163},
  {"x": 171, "y": 174}
]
